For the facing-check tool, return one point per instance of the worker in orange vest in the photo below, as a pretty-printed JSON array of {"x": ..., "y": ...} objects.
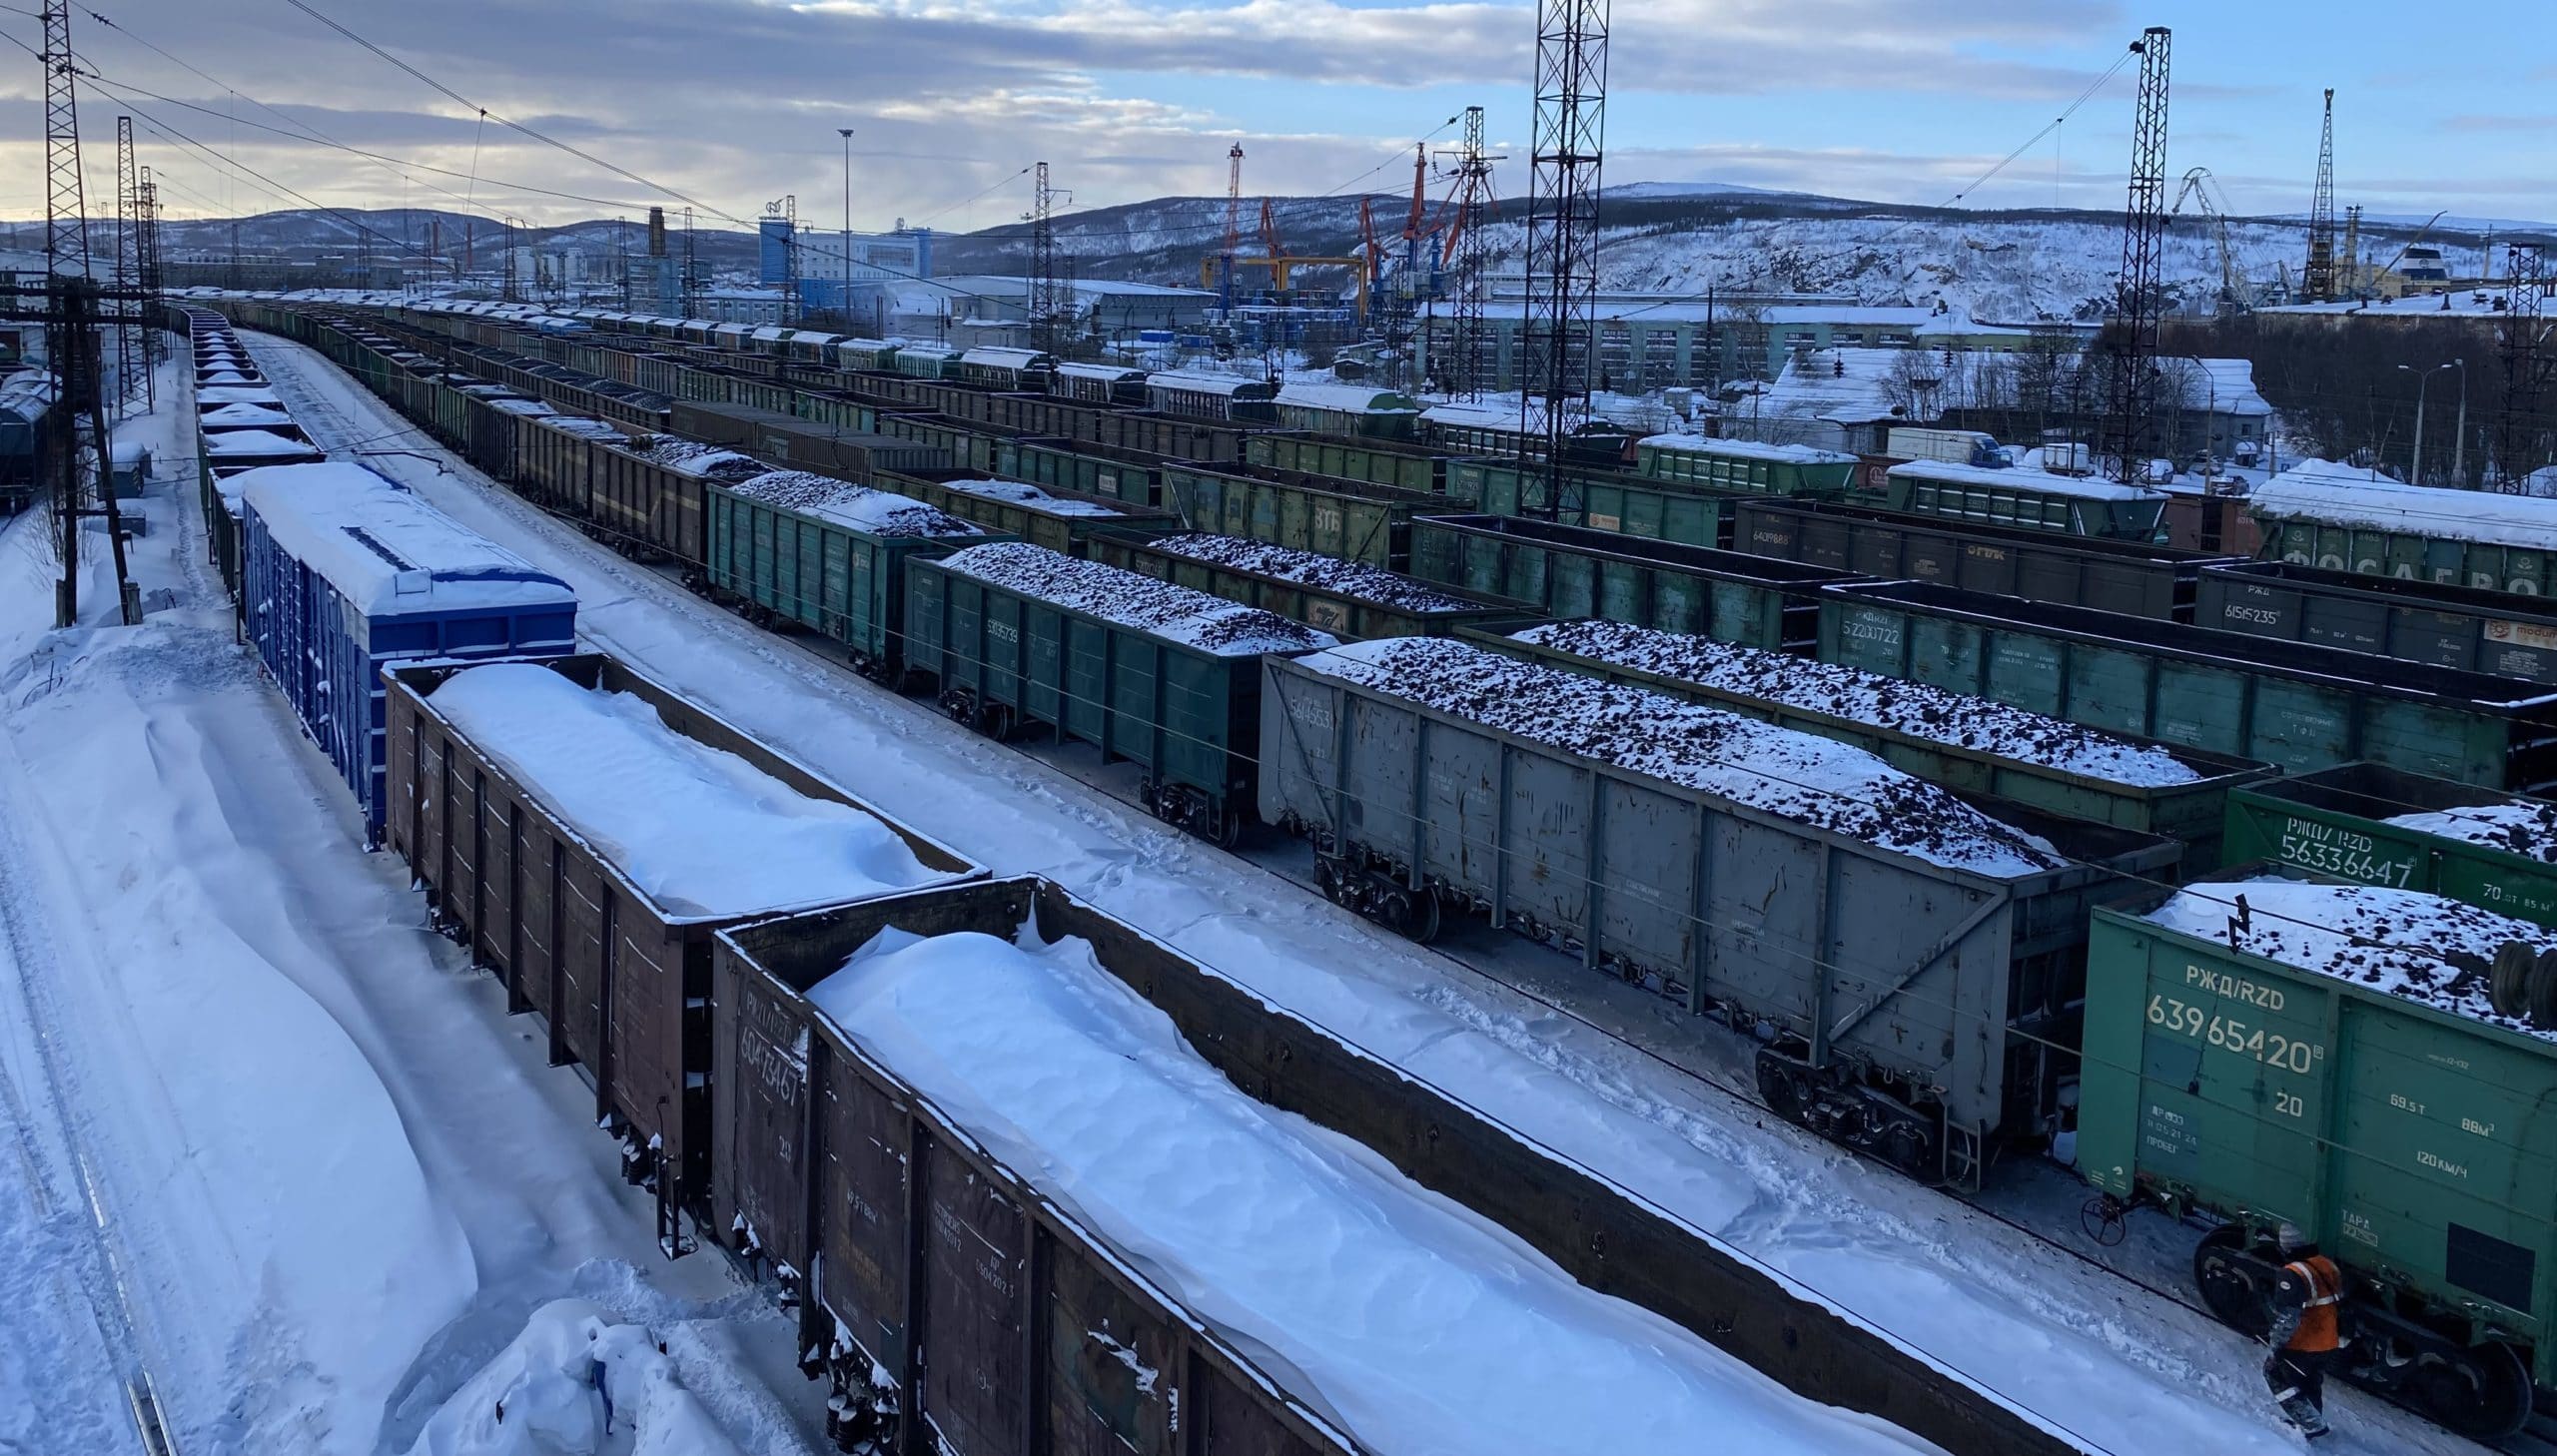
[{"x": 2307, "y": 1339}]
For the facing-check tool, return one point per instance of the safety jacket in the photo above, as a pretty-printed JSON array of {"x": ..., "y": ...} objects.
[{"x": 2326, "y": 1285}]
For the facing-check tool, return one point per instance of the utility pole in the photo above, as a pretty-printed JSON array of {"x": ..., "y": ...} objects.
[
  {"x": 133, "y": 369},
  {"x": 71, "y": 329},
  {"x": 1560, "y": 342},
  {"x": 845, "y": 302},
  {"x": 2317, "y": 279},
  {"x": 2139, "y": 304}
]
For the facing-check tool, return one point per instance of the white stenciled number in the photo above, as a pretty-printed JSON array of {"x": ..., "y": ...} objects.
[{"x": 2289, "y": 1104}]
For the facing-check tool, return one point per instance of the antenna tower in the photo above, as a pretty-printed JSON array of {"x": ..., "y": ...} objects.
[
  {"x": 2527, "y": 366},
  {"x": 1559, "y": 343},
  {"x": 2317, "y": 279},
  {"x": 133, "y": 369},
  {"x": 2144, "y": 231}
]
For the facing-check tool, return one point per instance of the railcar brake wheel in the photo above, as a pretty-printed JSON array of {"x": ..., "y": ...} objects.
[{"x": 2225, "y": 1287}]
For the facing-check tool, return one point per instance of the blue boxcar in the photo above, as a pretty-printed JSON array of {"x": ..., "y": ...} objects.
[{"x": 344, "y": 571}]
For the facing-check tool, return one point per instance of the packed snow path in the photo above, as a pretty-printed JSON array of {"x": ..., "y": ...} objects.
[
  {"x": 2125, "y": 1371},
  {"x": 328, "y": 1176}
]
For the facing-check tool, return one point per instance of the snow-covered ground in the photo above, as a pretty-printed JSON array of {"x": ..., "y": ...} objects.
[
  {"x": 273, "y": 1144},
  {"x": 2124, "y": 1370}
]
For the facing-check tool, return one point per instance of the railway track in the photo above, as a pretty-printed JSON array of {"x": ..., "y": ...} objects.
[{"x": 815, "y": 663}]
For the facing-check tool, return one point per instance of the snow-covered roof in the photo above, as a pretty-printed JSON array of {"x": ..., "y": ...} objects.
[
  {"x": 2393, "y": 940},
  {"x": 1505, "y": 414},
  {"x": 1023, "y": 494},
  {"x": 1155, "y": 608},
  {"x": 1810, "y": 780},
  {"x": 1955, "y": 473},
  {"x": 1000, "y": 356},
  {"x": 2325, "y": 491},
  {"x": 1747, "y": 450},
  {"x": 1194, "y": 382},
  {"x": 1348, "y": 398},
  {"x": 771, "y": 333},
  {"x": 382, "y": 548},
  {"x": 2217, "y": 385},
  {"x": 1113, "y": 373},
  {"x": 1851, "y": 386},
  {"x": 701, "y": 832}
]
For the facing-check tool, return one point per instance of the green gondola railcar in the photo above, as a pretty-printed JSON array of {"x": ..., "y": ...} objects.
[
  {"x": 1745, "y": 467},
  {"x": 1346, "y": 599},
  {"x": 2339, "y": 520},
  {"x": 2033, "y": 499},
  {"x": 2374, "y": 825},
  {"x": 1330, "y": 517}
]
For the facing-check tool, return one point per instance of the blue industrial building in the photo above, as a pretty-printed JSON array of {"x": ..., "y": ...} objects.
[{"x": 876, "y": 259}]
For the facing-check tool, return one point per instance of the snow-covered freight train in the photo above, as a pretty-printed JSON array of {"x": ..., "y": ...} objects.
[{"x": 2363, "y": 681}]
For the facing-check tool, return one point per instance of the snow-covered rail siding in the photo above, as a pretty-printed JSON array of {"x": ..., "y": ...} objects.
[
  {"x": 1941, "y": 736},
  {"x": 2415, "y": 622},
  {"x": 1754, "y": 883},
  {"x": 580, "y": 918},
  {"x": 343, "y": 573},
  {"x": 2298, "y": 706},
  {"x": 2375, "y": 825},
  {"x": 830, "y": 1163},
  {"x": 1572, "y": 572},
  {"x": 2135, "y": 578}
]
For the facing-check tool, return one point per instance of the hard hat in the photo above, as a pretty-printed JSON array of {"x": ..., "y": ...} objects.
[{"x": 2290, "y": 1236}]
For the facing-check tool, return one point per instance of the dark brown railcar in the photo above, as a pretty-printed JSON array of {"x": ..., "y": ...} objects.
[
  {"x": 623, "y": 983},
  {"x": 1005, "y": 1325},
  {"x": 819, "y": 1146}
]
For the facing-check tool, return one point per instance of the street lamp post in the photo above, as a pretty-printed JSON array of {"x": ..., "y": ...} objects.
[
  {"x": 2417, "y": 470},
  {"x": 846, "y": 305}
]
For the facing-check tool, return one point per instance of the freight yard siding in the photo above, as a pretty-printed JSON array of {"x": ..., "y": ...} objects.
[
  {"x": 1370, "y": 524},
  {"x": 1347, "y": 600},
  {"x": 2417, "y": 621},
  {"x": 2292, "y": 705},
  {"x": 869, "y": 1278}
]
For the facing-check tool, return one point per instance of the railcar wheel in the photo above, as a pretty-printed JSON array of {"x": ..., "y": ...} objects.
[
  {"x": 1419, "y": 920},
  {"x": 2220, "y": 1272},
  {"x": 1229, "y": 829},
  {"x": 2483, "y": 1392}
]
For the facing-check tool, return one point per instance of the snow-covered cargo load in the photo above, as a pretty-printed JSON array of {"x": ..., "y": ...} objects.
[
  {"x": 342, "y": 574},
  {"x": 997, "y": 1072},
  {"x": 1945, "y": 737},
  {"x": 583, "y": 830},
  {"x": 229, "y": 453},
  {"x": 1348, "y": 600},
  {"x": 1904, "y": 951}
]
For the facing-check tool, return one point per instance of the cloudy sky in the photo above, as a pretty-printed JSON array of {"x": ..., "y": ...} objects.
[{"x": 734, "y": 102}]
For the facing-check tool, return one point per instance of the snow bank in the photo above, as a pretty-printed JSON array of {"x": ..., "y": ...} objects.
[
  {"x": 1157, "y": 608},
  {"x": 1920, "y": 710},
  {"x": 2405, "y": 943},
  {"x": 2322, "y": 490},
  {"x": 576, "y": 1382},
  {"x": 1016, "y": 493},
  {"x": 1422, "y": 1328},
  {"x": 381, "y": 547},
  {"x": 1746, "y": 449},
  {"x": 701, "y": 832},
  {"x": 879, "y": 512},
  {"x": 1809, "y": 780},
  {"x": 1309, "y": 568},
  {"x": 2523, "y": 827}
]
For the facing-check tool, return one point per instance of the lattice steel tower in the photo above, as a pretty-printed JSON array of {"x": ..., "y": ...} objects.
[
  {"x": 1560, "y": 342},
  {"x": 1043, "y": 263},
  {"x": 1467, "y": 338},
  {"x": 2527, "y": 360},
  {"x": 132, "y": 367},
  {"x": 2139, "y": 304},
  {"x": 147, "y": 257},
  {"x": 2317, "y": 279}
]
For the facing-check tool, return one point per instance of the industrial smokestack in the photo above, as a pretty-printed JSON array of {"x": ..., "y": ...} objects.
[{"x": 656, "y": 232}]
